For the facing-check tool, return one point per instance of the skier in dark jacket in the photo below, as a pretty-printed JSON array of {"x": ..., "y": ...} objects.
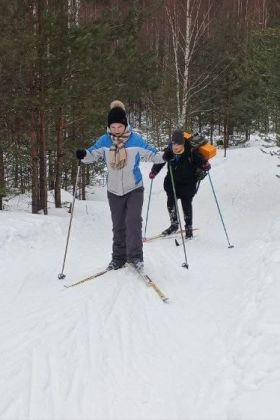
[{"x": 188, "y": 168}]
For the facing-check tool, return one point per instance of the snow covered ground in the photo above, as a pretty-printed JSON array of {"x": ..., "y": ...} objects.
[{"x": 110, "y": 349}]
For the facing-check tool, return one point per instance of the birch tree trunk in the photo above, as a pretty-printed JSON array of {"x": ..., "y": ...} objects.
[
  {"x": 187, "y": 58},
  {"x": 188, "y": 23}
]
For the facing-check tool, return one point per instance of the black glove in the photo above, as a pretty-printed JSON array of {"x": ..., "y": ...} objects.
[
  {"x": 80, "y": 153},
  {"x": 152, "y": 175},
  {"x": 168, "y": 155},
  {"x": 206, "y": 166},
  {"x": 200, "y": 174}
]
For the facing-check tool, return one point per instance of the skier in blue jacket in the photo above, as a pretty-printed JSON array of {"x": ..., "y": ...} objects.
[{"x": 122, "y": 149}]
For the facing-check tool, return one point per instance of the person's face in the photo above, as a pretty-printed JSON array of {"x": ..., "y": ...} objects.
[
  {"x": 117, "y": 129},
  {"x": 177, "y": 148}
]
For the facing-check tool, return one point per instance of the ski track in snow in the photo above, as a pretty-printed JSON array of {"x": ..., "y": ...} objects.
[{"x": 109, "y": 349}]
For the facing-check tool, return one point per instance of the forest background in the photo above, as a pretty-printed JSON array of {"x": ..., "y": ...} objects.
[{"x": 208, "y": 65}]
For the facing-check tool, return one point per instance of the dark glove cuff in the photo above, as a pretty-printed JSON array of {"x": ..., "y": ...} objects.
[
  {"x": 80, "y": 154},
  {"x": 167, "y": 155}
]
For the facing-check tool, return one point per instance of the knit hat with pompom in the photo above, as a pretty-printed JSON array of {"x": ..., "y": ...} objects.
[{"x": 117, "y": 113}]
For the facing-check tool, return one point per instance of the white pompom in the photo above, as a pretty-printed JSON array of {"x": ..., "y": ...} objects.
[{"x": 117, "y": 104}]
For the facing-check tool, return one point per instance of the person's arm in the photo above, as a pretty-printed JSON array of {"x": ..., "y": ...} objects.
[
  {"x": 94, "y": 152},
  {"x": 167, "y": 156},
  {"x": 200, "y": 161},
  {"x": 148, "y": 152},
  {"x": 156, "y": 168},
  {"x": 202, "y": 166}
]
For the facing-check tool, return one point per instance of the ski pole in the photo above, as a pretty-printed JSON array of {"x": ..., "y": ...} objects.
[
  {"x": 62, "y": 275},
  {"x": 229, "y": 244},
  {"x": 185, "y": 264},
  {"x": 147, "y": 214}
]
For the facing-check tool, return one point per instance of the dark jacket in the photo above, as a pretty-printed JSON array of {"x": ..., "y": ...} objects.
[{"x": 184, "y": 169}]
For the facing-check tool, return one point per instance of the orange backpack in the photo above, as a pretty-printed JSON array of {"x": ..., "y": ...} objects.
[{"x": 199, "y": 142}]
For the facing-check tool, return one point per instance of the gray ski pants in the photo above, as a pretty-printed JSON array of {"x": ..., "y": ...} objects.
[{"x": 126, "y": 213}]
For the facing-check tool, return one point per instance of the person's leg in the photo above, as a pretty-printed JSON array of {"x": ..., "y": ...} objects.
[
  {"x": 188, "y": 214},
  {"x": 171, "y": 208},
  {"x": 117, "y": 206},
  {"x": 133, "y": 221}
]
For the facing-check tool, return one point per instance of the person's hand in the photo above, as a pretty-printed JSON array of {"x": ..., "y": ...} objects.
[
  {"x": 200, "y": 174},
  {"x": 80, "y": 154},
  {"x": 206, "y": 166},
  {"x": 168, "y": 155},
  {"x": 152, "y": 175}
]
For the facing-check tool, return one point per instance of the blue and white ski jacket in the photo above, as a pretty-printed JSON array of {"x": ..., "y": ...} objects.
[{"x": 122, "y": 181}]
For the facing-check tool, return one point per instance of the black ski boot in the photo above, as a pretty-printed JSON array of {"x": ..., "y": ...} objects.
[
  {"x": 172, "y": 229},
  {"x": 115, "y": 264},
  {"x": 189, "y": 232},
  {"x": 137, "y": 263}
]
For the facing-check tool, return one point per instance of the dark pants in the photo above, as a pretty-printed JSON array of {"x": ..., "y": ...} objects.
[
  {"x": 186, "y": 201},
  {"x": 126, "y": 213}
]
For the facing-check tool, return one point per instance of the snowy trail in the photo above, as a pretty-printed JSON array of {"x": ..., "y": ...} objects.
[{"x": 110, "y": 349}]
